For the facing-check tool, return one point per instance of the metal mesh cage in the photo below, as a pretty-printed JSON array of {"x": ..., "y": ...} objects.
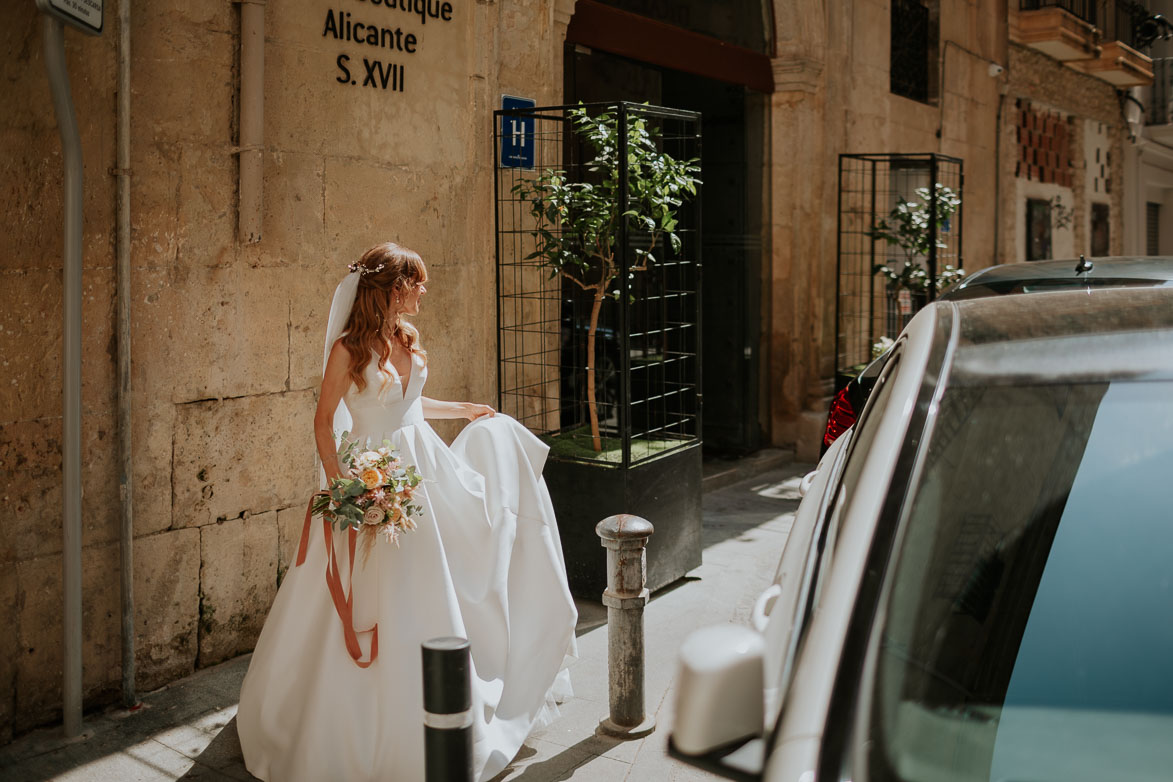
[
  {"x": 916, "y": 200},
  {"x": 630, "y": 342}
]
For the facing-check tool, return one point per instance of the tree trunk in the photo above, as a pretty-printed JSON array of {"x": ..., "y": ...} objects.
[{"x": 592, "y": 405}]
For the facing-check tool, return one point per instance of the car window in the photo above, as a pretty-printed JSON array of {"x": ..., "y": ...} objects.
[
  {"x": 863, "y": 434},
  {"x": 1027, "y": 625},
  {"x": 840, "y": 482},
  {"x": 861, "y": 442}
]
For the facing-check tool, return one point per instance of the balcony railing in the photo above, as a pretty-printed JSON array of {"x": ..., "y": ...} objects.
[
  {"x": 1160, "y": 106},
  {"x": 1102, "y": 38},
  {"x": 1083, "y": 9},
  {"x": 1116, "y": 19}
]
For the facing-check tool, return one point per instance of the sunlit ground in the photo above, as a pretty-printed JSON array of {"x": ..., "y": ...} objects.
[{"x": 188, "y": 729}]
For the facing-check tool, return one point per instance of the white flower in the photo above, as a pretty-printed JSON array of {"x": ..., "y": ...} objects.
[
  {"x": 367, "y": 460},
  {"x": 883, "y": 346},
  {"x": 390, "y": 533}
]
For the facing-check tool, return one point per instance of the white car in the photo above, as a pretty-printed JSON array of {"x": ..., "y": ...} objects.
[{"x": 979, "y": 581}]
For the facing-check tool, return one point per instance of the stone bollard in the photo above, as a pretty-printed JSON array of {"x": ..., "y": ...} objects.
[{"x": 625, "y": 538}]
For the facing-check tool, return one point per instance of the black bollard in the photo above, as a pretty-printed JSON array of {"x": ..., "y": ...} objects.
[{"x": 447, "y": 711}]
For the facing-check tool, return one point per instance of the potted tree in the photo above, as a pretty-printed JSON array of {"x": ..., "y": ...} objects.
[
  {"x": 915, "y": 227},
  {"x": 578, "y": 222},
  {"x": 611, "y": 220}
]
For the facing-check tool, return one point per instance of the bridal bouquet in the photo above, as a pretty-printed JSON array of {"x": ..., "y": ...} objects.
[{"x": 373, "y": 494}]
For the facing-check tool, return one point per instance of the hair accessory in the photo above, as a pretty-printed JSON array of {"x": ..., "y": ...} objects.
[{"x": 363, "y": 270}]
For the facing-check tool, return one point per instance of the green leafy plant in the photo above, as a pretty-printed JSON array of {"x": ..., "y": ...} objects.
[
  {"x": 915, "y": 277},
  {"x": 908, "y": 226},
  {"x": 882, "y": 346},
  {"x": 577, "y": 223}
]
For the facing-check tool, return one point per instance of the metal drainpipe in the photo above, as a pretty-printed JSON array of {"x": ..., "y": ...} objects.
[
  {"x": 125, "y": 473},
  {"x": 1003, "y": 91},
  {"x": 54, "y": 42},
  {"x": 252, "y": 90}
]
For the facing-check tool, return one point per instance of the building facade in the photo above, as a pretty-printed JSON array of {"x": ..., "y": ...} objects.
[
  {"x": 378, "y": 125},
  {"x": 1148, "y": 159}
]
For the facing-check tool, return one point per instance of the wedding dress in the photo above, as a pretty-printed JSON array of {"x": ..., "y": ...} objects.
[{"x": 484, "y": 564}]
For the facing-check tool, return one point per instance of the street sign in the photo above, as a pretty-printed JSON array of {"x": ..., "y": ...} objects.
[
  {"x": 85, "y": 15},
  {"x": 517, "y": 133}
]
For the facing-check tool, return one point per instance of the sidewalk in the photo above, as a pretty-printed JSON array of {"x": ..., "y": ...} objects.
[{"x": 187, "y": 730}]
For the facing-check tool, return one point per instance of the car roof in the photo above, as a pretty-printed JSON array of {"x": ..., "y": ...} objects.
[
  {"x": 1121, "y": 270},
  {"x": 1100, "y": 334}
]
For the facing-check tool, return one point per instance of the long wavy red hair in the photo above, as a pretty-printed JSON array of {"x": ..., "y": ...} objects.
[{"x": 388, "y": 270}]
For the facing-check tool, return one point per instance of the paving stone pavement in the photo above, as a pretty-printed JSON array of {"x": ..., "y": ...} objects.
[{"x": 187, "y": 730}]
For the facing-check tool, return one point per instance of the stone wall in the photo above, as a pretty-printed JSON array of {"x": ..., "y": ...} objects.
[
  {"x": 226, "y": 337},
  {"x": 833, "y": 97},
  {"x": 30, "y": 397},
  {"x": 1044, "y": 83}
]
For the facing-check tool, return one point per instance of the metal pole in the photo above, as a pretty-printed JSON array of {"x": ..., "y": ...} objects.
[
  {"x": 125, "y": 467},
  {"x": 621, "y": 119},
  {"x": 447, "y": 710},
  {"x": 252, "y": 108},
  {"x": 838, "y": 269},
  {"x": 933, "y": 195},
  {"x": 54, "y": 41},
  {"x": 867, "y": 353},
  {"x": 961, "y": 221},
  {"x": 626, "y": 540},
  {"x": 498, "y": 120},
  {"x": 697, "y": 287}
]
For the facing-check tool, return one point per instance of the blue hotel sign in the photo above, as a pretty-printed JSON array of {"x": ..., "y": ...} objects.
[{"x": 517, "y": 133}]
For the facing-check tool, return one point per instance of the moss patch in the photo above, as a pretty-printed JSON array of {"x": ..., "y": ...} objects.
[{"x": 576, "y": 444}]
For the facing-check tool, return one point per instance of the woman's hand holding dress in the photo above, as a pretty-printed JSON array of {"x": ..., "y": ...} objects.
[{"x": 434, "y": 408}]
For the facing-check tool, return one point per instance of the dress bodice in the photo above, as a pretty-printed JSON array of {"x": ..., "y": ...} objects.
[{"x": 388, "y": 402}]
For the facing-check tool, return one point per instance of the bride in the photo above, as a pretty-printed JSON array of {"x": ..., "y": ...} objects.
[{"x": 484, "y": 564}]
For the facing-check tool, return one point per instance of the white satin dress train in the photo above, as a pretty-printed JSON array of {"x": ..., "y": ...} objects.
[{"x": 485, "y": 564}]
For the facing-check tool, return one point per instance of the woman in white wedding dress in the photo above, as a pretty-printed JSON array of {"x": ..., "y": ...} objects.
[{"x": 484, "y": 564}]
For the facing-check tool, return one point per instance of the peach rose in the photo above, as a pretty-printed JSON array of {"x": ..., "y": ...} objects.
[
  {"x": 371, "y": 477},
  {"x": 374, "y": 516}
]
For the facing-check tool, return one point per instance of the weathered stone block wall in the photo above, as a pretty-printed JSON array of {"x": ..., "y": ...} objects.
[
  {"x": 226, "y": 337},
  {"x": 1048, "y": 84},
  {"x": 844, "y": 105},
  {"x": 833, "y": 96},
  {"x": 30, "y": 396}
]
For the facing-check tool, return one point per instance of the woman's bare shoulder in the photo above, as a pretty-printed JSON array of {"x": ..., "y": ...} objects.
[{"x": 339, "y": 354}]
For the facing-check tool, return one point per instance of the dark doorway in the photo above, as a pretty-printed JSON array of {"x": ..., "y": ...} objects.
[
  {"x": 1038, "y": 229},
  {"x": 732, "y": 215},
  {"x": 1100, "y": 229}
]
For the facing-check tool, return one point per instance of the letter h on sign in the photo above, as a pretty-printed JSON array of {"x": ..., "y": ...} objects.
[{"x": 517, "y": 133}]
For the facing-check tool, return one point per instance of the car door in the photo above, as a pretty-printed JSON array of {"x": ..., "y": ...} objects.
[{"x": 784, "y": 610}]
